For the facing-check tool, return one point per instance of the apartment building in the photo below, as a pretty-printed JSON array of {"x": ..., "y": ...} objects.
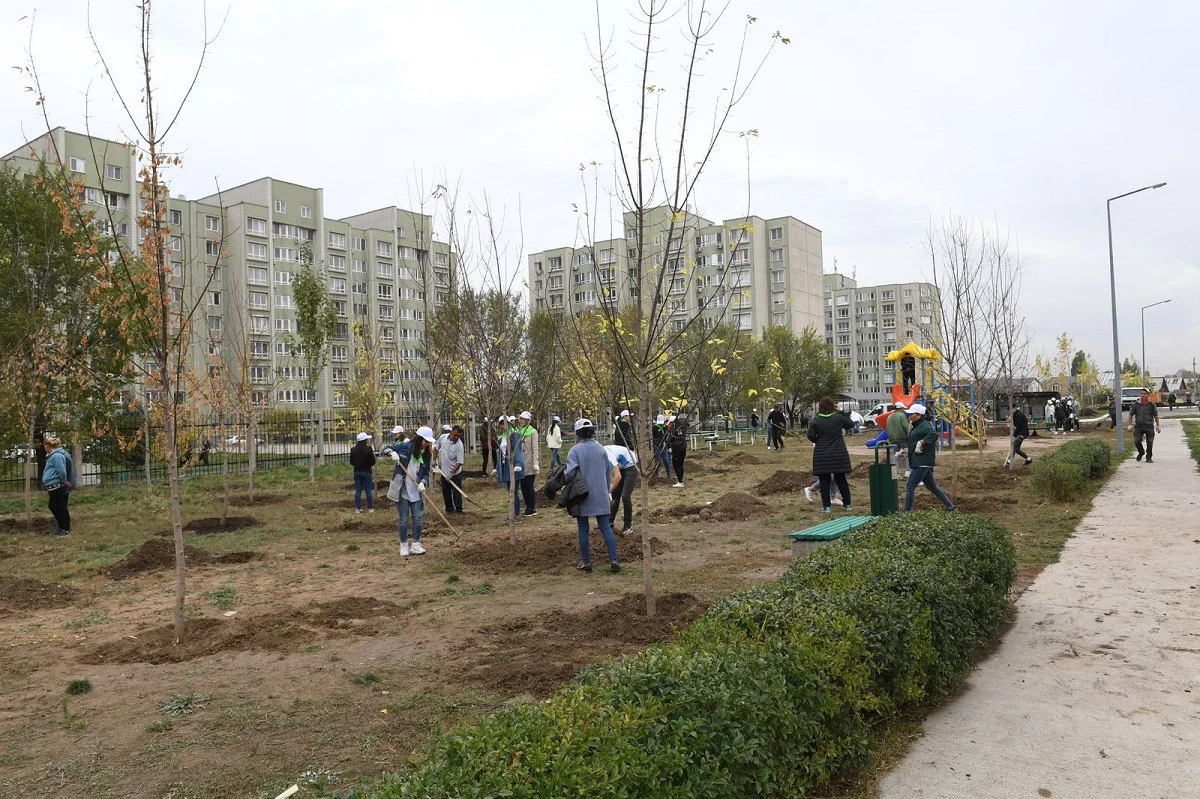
[
  {"x": 752, "y": 272},
  {"x": 864, "y": 323},
  {"x": 234, "y": 255}
]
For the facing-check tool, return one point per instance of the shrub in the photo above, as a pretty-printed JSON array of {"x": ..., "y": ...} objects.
[
  {"x": 772, "y": 692},
  {"x": 1062, "y": 473}
]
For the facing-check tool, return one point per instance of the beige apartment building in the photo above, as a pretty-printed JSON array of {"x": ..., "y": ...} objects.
[{"x": 752, "y": 272}]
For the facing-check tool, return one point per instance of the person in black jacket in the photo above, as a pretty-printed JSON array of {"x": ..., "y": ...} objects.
[
  {"x": 831, "y": 459},
  {"x": 677, "y": 433},
  {"x": 623, "y": 435},
  {"x": 1020, "y": 432},
  {"x": 776, "y": 427},
  {"x": 362, "y": 461}
]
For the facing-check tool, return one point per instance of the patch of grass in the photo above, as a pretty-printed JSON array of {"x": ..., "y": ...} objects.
[
  {"x": 165, "y": 725},
  {"x": 442, "y": 566},
  {"x": 1191, "y": 433},
  {"x": 366, "y": 678},
  {"x": 193, "y": 611},
  {"x": 222, "y": 598},
  {"x": 89, "y": 619},
  {"x": 312, "y": 649},
  {"x": 485, "y": 588},
  {"x": 183, "y": 704},
  {"x": 352, "y": 547},
  {"x": 79, "y": 687},
  {"x": 452, "y": 578}
]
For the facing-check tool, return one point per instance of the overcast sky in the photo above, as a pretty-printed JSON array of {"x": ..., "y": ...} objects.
[{"x": 876, "y": 118}]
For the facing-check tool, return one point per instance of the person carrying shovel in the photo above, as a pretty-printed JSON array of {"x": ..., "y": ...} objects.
[
  {"x": 410, "y": 478},
  {"x": 450, "y": 464}
]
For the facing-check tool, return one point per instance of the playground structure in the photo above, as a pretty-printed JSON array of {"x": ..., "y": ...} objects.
[{"x": 919, "y": 378}]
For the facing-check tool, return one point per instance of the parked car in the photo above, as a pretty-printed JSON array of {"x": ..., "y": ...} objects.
[
  {"x": 241, "y": 441},
  {"x": 878, "y": 410},
  {"x": 1129, "y": 396},
  {"x": 20, "y": 453}
]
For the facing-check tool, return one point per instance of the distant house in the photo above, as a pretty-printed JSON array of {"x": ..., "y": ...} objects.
[{"x": 1181, "y": 387}]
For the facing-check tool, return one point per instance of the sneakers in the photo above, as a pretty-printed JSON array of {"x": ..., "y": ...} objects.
[
  {"x": 1149, "y": 459},
  {"x": 1028, "y": 461},
  {"x": 416, "y": 548},
  {"x": 677, "y": 485},
  {"x": 614, "y": 567},
  {"x": 530, "y": 513},
  {"x": 584, "y": 567},
  {"x": 1139, "y": 456},
  {"x": 58, "y": 532},
  {"x": 1008, "y": 464},
  {"x": 826, "y": 510},
  {"x": 370, "y": 510},
  {"x": 808, "y": 494},
  {"x": 835, "y": 500},
  {"x": 404, "y": 549},
  {"x": 847, "y": 508},
  {"x": 627, "y": 531},
  {"x": 358, "y": 510}
]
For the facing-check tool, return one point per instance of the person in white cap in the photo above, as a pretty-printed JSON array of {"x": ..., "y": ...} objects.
[
  {"x": 554, "y": 441},
  {"x": 624, "y": 463},
  {"x": 412, "y": 470},
  {"x": 589, "y": 459},
  {"x": 362, "y": 461},
  {"x": 531, "y": 450},
  {"x": 442, "y": 439},
  {"x": 898, "y": 428},
  {"x": 922, "y": 455},
  {"x": 662, "y": 454},
  {"x": 623, "y": 435},
  {"x": 510, "y": 455}
]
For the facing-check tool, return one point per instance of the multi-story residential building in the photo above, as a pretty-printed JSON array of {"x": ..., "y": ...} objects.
[
  {"x": 750, "y": 272},
  {"x": 864, "y": 323},
  {"x": 234, "y": 255}
]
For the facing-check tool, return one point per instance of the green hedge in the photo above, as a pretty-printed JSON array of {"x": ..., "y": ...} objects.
[
  {"x": 772, "y": 692},
  {"x": 1066, "y": 470}
]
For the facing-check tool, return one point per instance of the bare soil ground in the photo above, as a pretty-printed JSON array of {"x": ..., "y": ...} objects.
[{"x": 323, "y": 653}]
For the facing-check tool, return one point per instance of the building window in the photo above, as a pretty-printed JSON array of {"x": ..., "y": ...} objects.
[
  {"x": 214, "y": 324},
  {"x": 256, "y": 274},
  {"x": 283, "y": 278},
  {"x": 305, "y": 212},
  {"x": 776, "y": 234},
  {"x": 385, "y": 291},
  {"x": 384, "y": 269},
  {"x": 176, "y": 244},
  {"x": 113, "y": 172},
  {"x": 360, "y": 266},
  {"x": 442, "y": 259},
  {"x": 212, "y": 224},
  {"x": 77, "y": 164},
  {"x": 212, "y": 248},
  {"x": 386, "y": 313},
  {"x": 285, "y": 253},
  {"x": 777, "y": 275},
  {"x": 777, "y": 255},
  {"x": 556, "y": 264},
  {"x": 383, "y": 248},
  {"x": 358, "y": 243},
  {"x": 285, "y": 326},
  {"x": 337, "y": 240},
  {"x": 214, "y": 298},
  {"x": 256, "y": 251},
  {"x": 258, "y": 227},
  {"x": 258, "y": 299},
  {"x": 281, "y": 206}
]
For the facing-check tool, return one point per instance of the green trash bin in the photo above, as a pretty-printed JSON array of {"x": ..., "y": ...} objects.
[{"x": 885, "y": 499}]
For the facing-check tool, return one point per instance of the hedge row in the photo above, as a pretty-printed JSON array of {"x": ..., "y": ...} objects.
[
  {"x": 772, "y": 692},
  {"x": 1065, "y": 471}
]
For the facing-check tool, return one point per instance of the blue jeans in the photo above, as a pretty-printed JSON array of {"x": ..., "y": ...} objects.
[
  {"x": 924, "y": 474},
  {"x": 554, "y": 459},
  {"x": 364, "y": 481},
  {"x": 416, "y": 510},
  {"x": 585, "y": 545},
  {"x": 663, "y": 455}
]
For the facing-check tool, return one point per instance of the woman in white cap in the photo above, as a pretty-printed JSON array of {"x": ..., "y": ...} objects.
[
  {"x": 412, "y": 469},
  {"x": 362, "y": 461},
  {"x": 589, "y": 459},
  {"x": 922, "y": 455},
  {"x": 554, "y": 441},
  {"x": 530, "y": 448}
]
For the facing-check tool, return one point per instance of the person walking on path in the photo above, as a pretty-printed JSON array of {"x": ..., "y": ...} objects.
[
  {"x": 1020, "y": 432},
  {"x": 922, "y": 456},
  {"x": 776, "y": 425},
  {"x": 589, "y": 459},
  {"x": 59, "y": 481},
  {"x": 362, "y": 461},
  {"x": 624, "y": 461},
  {"x": 554, "y": 441},
  {"x": 898, "y": 428},
  {"x": 451, "y": 459},
  {"x": 677, "y": 443},
  {"x": 531, "y": 449},
  {"x": 1171, "y": 400},
  {"x": 1143, "y": 421},
  {"x": 411, "y": 458},
  {"x": 831, "y": 459}
]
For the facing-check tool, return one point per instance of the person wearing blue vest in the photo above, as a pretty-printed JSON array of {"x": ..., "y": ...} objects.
[
  {"x": 412, "y": 470},
  {"x": 59, "y": 480}
]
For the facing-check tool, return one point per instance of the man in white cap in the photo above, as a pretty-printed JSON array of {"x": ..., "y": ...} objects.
[
  {"x": 922, "y": 455},
  {"x": 442, "y": 439},
  {"x": 362, "y": 461},
  {"x": 589, "y": 459},
  {"x": 531, "y": 449},
  {"x": 898, "y": 427},
  {"x": 624, "y": 433},
  {"x": 662, "y": 454},
  {"x": 412, "y": 471}
]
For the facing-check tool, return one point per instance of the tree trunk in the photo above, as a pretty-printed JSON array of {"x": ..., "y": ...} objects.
[
  {"x": 514, "y": 441},
  {"x": 647, "y": 557},
  {"x": 221, "y": 430},
  {"x": 252, "y": 457},
  {"x": 146, "y": 449},
  {"x": 312, "y": 449},
  {"x": 169, "y": 425},
  {"x": 30, "y": 465}
]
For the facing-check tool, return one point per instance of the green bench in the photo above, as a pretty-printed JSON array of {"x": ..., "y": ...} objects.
[{"x": 805, "y": 542}]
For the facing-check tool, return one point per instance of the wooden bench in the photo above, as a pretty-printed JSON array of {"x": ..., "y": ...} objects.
[{"x": 806, "y": 542}]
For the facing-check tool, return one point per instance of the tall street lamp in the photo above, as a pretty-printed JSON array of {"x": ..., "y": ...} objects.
[
  {"x": 1145, "y": 369},
  {"x": 1112, "y": 277}
]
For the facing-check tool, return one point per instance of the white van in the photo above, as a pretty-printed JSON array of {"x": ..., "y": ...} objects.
[
  {"x": 1130, "y": 396},
  {"x": 877, "y": 411}
]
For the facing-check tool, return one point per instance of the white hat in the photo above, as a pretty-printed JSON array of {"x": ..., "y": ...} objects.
[
  {"x": 363, "y": 436},
  {"x": 526, "y": 415},
  {"x": 917, "y": 408},
  {"x": 555, "y": 419},
  {"x": 446, "y": 428},
  {"x": 582, "y": 423},
  {"x": 660, "y": 419},
  {"x": 671, "y": 418},
  {"x": 624, "y": 413},
  {"x": 900, "y": 405},
  {"x": 426, "y": 433},
  {"x": 501, "y": 419},
  {"x": 398, "y": 429},
  {"x": 512, "y": 418}
]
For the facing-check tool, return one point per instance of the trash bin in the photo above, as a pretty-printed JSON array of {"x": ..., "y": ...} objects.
[{"x": 884, "y": 497}]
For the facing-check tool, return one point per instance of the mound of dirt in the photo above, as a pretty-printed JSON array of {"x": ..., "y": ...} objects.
[
  {"x": 212, "y": 524},
  {"x": 544, "y": 552},
  {"x": 243, "y": 501},
  {"x": 783, "y": 481},
  {"x": 21, "y": 593},
  {"x": 675, "y": 513},
  {"x": 14, "y": 525},
  {"x": 276, "y": 632},
  {"x": 749, "y": 460},
  {"x": 734, "y": 506},
  {"x": 159, "y": 553},
  {"x": 537, "y": 655}
]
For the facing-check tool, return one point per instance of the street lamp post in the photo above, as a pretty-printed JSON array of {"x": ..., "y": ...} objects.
[
  {"x": 1146, "y": 369},
  {"x": 1112, "y": 277}
]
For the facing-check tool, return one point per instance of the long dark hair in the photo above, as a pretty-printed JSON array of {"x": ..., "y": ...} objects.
[{"x": 419, "y": 447}]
